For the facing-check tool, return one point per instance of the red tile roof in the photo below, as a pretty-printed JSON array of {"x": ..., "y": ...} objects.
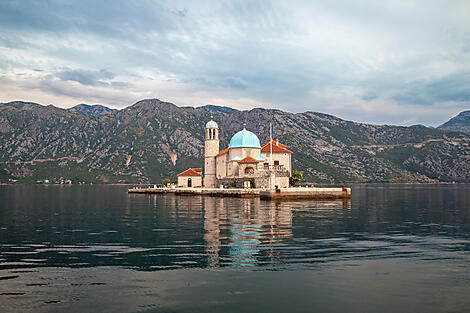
[
  {"x": 275, "y": 149},
  {"x": 222, "y": 152},
  {"x": 197, "y": 169},
  {"x": 191, "y": 172},
  {"x": 248, "y": 159},
  {"x": 275, "y": 143}
]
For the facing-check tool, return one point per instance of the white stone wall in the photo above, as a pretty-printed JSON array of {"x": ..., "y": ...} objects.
[
  {"x": 242, "y": 167},
  {"x": 281, "y": 182},
  {"x": 221, "y": 165},
  {"x": 232, "y": 169},
  {"x": 211, "y": 147},
  {"x": 183, "y": 181},
  {"x": 244, "y": 152},
  {"x": 283, "y": 158},
  {"x": 209, "y": 172}
]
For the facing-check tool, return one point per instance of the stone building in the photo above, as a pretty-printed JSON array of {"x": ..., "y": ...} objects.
[
  {"x": 192, "y": 177},
  {"x": 244, "y": 160}
]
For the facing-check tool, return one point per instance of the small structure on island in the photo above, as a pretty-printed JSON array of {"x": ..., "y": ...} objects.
[
  {"x": 192, "y": 177},
  {"x": 245, "y": 159}
]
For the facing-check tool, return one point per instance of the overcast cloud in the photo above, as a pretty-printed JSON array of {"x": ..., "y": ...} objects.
[{"x": 395, "y": 62}]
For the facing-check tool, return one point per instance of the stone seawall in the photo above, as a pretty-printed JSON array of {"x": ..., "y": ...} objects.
[
  {"x": 232, "y": 192},
  {"x": 306, "y": 193},
  {"x": 282, "y": 193}
]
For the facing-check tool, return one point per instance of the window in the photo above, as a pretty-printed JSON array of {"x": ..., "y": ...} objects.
[
  {"x": 276, "y": 162},
  {"x": 249, "y": 170}
]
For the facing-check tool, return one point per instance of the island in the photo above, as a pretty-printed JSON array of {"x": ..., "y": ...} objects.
[{"x": 244, "y": 169}]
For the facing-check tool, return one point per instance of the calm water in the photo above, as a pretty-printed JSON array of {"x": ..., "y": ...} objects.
[{"x": 392, "y": 248}]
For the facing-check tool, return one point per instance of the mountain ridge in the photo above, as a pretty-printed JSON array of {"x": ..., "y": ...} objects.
[
  {"x": 136, "y": 144},
  {"x": 460, "y": 122},
  {"x": 223, "y": 109},
  {"x": 94, "y": 109}
]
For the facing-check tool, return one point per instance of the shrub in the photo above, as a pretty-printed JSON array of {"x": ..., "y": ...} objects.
[{"x": 295, "y": 178}]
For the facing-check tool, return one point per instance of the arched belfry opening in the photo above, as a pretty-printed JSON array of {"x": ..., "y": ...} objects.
[{"x": 212, "y": 134}]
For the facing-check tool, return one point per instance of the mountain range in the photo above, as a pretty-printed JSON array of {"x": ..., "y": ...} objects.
[
  {"x": 460, "y": 123},
  {"x": 152, "y": 140}
]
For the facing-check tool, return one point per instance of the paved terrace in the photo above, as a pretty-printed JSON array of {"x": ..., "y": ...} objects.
[{"x": 282, "y": 193}]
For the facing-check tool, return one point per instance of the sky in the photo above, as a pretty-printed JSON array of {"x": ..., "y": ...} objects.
[{"x": 381, "y": 62}]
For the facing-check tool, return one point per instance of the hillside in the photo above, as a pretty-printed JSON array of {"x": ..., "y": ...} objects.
[
  {"x": 460, "y": 123},
  {"x": 135, "y": 144},
  {"x": 218, "y": 108},
  {"x": 95, "y": 109}
]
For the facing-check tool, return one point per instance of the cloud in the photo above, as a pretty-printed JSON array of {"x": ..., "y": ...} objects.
[
  {"x": 235, "y": 82},
  {"x": 88, "y": 78},
  {"x": 341, "y": 57},
  {"x": 444, "y": 89}
]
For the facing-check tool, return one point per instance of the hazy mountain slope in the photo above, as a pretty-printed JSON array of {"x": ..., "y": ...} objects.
[
  {"x": 136, "y": 144},
  {"x": 95, "y": 109},
  {"x": 222, "y": 109},
  {"x": 460, "y": 123},
  {"x": 48, "y": 137}
]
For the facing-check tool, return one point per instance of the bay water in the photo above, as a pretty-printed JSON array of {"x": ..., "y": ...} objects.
[{"x": 391, "y": 248}]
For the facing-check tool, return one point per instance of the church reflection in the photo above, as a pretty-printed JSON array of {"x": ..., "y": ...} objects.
[
  {"x": 245, "y": 232},
  {"x": 218, "y": 232}
]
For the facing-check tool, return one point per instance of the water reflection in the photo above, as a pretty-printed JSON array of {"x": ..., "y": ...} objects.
[
  {"x": 85, "y": 227},
  {"x": 102, "y": 225},
  {"x": 242, "y": 229}
]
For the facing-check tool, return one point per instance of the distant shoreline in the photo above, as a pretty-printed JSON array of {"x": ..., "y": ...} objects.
[{"x": 302, "y": 185}]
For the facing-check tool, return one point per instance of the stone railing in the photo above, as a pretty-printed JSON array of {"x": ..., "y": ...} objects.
[
  {"x": 283, "y": 173},
  {"x": 279, "y": 171},
  {"x": 274, "y": 167}
]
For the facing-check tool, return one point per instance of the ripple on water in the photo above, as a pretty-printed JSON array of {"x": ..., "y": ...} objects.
[{"x": 9, "y": 277}]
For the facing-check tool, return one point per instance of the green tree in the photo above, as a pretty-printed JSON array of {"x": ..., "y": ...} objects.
[
  {"x": 295, "y": 178},
  {"x": 166, "y": 181}
]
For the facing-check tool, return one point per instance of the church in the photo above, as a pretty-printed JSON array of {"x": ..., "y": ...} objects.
[{"x": 245, "y": 162}]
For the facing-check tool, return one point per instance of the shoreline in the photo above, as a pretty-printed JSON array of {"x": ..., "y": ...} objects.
[{"x": 316, "y": 185}]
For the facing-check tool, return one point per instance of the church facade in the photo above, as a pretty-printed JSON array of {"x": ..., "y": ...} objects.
[{"x": 244, "y": 161}]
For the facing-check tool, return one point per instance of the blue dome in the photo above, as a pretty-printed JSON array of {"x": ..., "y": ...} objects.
[{"x": 244, "y": 139}]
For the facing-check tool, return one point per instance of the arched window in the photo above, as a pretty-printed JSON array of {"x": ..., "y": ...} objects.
[
  {"x": 249, "y": 170},
  {"x": 190, "y": 182}
]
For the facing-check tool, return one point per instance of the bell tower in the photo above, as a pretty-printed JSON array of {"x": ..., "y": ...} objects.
[{"x": 211, "y": 149}]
